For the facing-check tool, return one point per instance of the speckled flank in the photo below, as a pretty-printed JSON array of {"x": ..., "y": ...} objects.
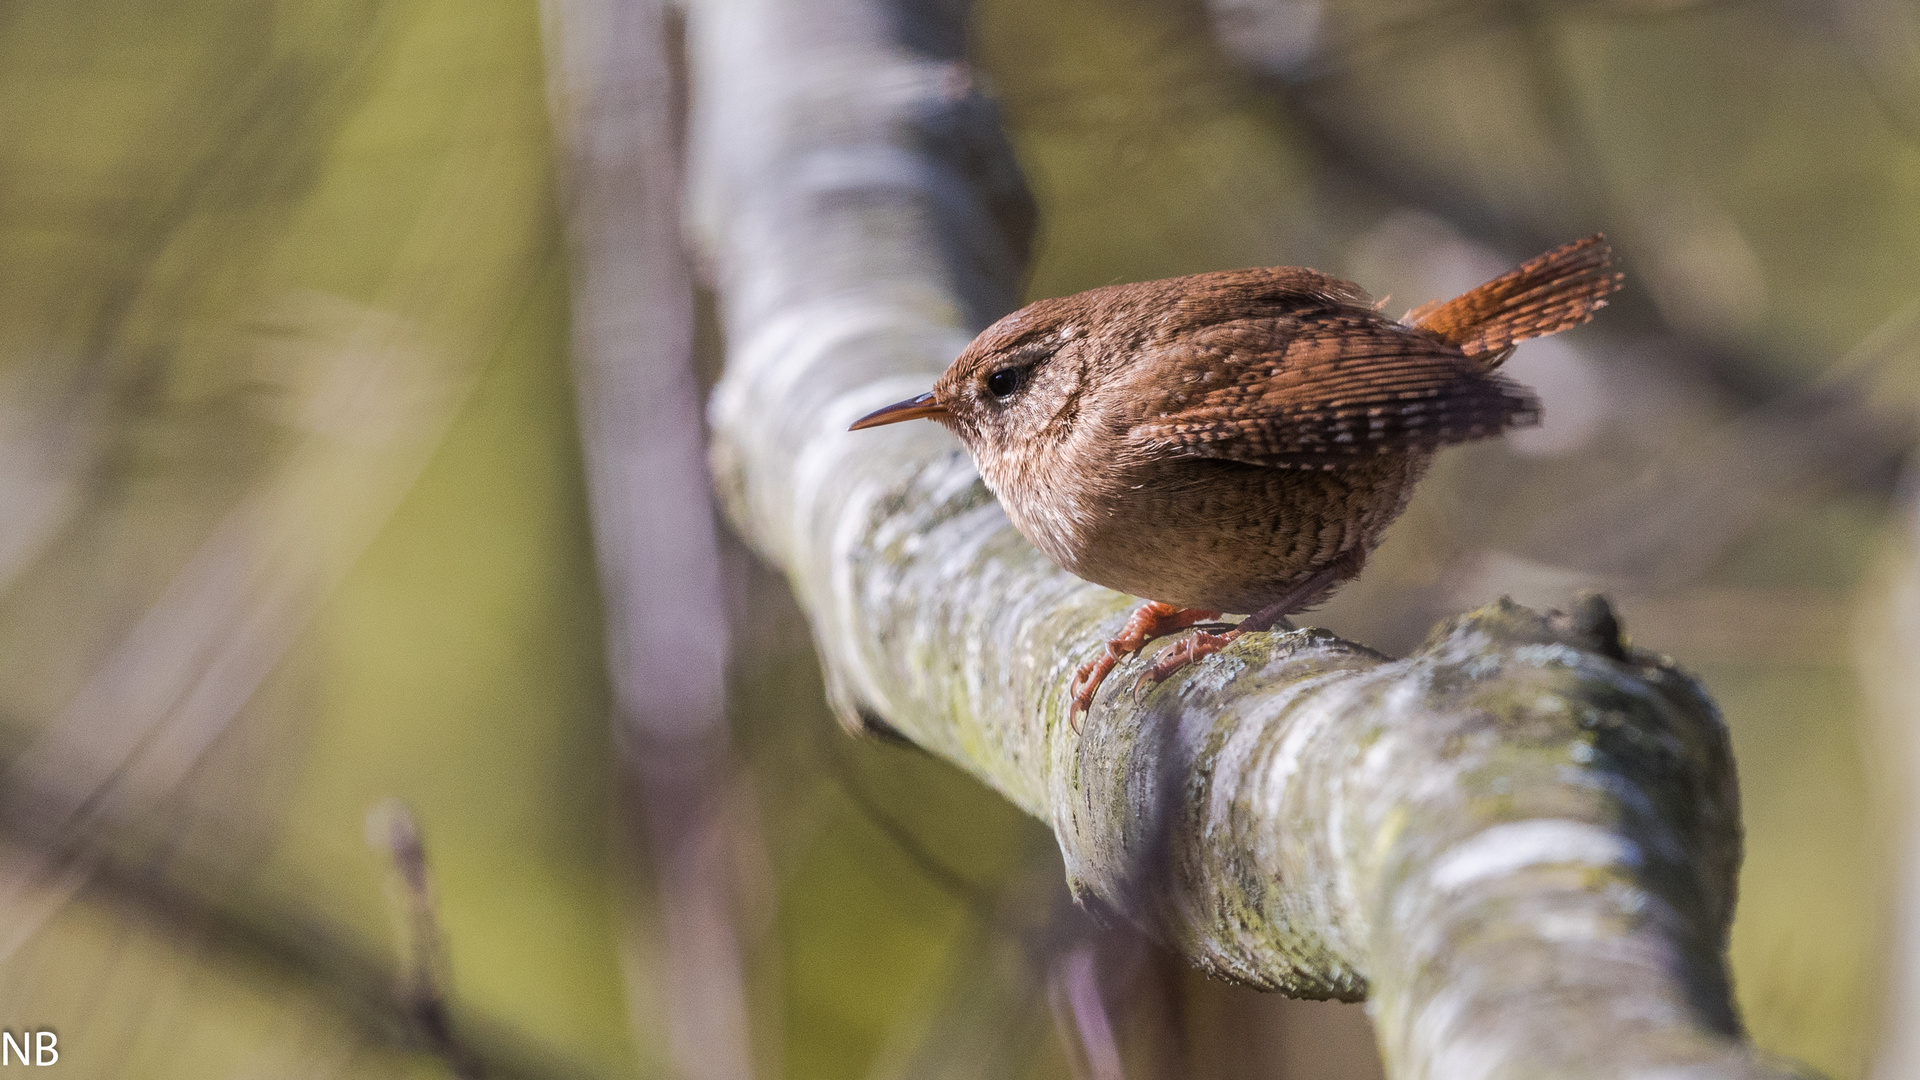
[
  {"x": 1130, "y": 546},
  {"x": 1519, "y": 843}
]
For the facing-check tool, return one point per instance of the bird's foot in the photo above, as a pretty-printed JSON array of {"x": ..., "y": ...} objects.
[
  {"x": 1149, "y": 621},
  {"x": 1186, "y": 651},
  {"x": 1199, "y": 646}
]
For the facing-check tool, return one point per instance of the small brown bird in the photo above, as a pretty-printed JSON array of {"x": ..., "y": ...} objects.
[{"x": 1236, "y": 441}]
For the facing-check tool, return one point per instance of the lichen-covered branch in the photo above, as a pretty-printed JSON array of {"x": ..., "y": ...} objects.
[{"x": 1519, "y": 843}]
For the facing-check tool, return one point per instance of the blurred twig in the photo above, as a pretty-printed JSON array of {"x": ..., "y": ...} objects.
[
  {"x": 983, "y": 905},
  {"x": 1080, "y": 1013},
  {"x": 1886, "y": 646},
  {"x": 1431, "y": 26},
  {"x": 1087, "y": 971},
  {"x": 281, "y": 944},
  {"x": 424, "y": 999},
  {"x": 1670, "y": 524},
  {"x": 1882, "y": 42},
  {"x": 983, "y": 1019},
  {"x": 1427, "y": 27},
  {"x": 1074, "y": 960}
]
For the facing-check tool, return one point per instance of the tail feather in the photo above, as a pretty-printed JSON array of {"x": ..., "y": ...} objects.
[{"x": 1554, "y": 292}]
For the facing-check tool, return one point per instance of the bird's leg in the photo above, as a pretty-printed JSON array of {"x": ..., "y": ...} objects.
[
  {"x": 1202, "y": 645},
  {"x": 1149, "y": 621},
  {"x": 1205, "y": 644}
]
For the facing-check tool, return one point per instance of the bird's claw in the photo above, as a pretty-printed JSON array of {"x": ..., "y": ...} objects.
[
  {"x": 1086, "y": 682},
  {"x": 1149, "y": 621},
  {"x": 1183, "y": 652}
]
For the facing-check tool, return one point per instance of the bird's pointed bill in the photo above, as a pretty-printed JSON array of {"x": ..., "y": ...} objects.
[{"x": 923, "y": 407}]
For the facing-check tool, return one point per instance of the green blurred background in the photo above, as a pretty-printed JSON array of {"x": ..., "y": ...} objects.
[{"x": 292, "y": 516}]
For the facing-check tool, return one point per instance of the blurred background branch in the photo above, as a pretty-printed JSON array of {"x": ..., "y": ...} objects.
[
  {"x": 1888, "y": 635},
  {"x": 618, "y": 109}
]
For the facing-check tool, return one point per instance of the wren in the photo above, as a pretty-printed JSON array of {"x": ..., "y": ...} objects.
[{"x": 1236, "y": 441}]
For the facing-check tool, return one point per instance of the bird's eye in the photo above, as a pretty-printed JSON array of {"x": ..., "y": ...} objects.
[{"x": 1006, "y": 381}]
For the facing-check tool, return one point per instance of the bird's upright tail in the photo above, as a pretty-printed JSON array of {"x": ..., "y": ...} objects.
[{"x": 1554, "y": 292}]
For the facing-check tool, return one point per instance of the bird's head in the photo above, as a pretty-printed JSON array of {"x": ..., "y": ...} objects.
[{"x": 1019, "y": 387}]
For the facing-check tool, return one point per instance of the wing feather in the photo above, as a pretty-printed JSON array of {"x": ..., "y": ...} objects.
[{"x": 1321, "y": 389}]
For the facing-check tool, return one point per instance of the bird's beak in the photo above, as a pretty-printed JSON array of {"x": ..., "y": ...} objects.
[{"x": 920, "y": 408}]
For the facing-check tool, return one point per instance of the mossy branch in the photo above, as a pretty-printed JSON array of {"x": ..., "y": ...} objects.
[{"x": 1519, "y": 843}]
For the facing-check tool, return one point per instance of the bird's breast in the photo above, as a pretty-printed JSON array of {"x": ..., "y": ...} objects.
[
  {"x": 1205, "y": 533},
  {"x": 1059, "y": 510}
]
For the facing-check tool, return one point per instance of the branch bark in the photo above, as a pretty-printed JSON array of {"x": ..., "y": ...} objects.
[{"x": 1520, "y": 842}]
